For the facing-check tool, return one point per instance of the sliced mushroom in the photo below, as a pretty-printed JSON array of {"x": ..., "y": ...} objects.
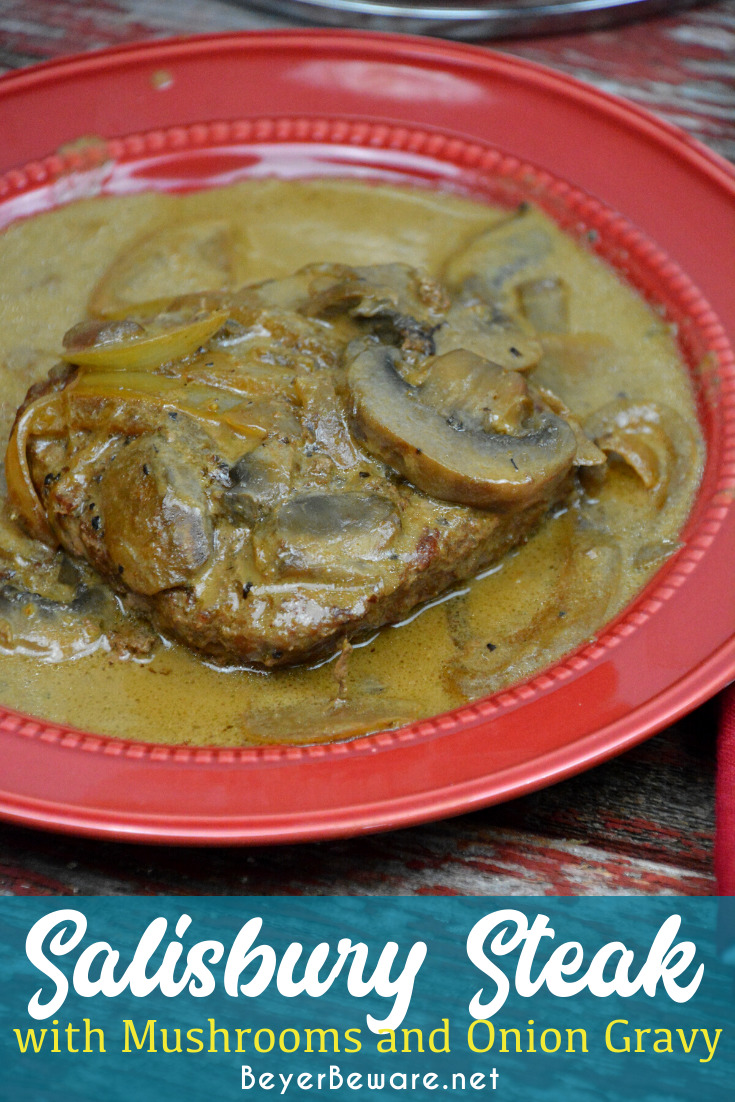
[
  {"x": 34, "y": 624},
  {"x": 153, "y": 523},
  {"x": 588, "y": 454},
  {"x": 327, "y": 536},
  {"x": 323, "y": 417},
  {"x": 399, "y": 302},
  {"x": 259, "y": 481},
  {"x": 507, "y": 250},
  {"x": 15, "y": 597},
  {"x": 502, "y": 337},
  {"x": 545, "y": 303},
  {"x": 463, "y": 465},
  {"x": 474, "y": 393},
  {"x": 399, "y": 298},
  {"x": 295, "y": 292},
  {"x": 53, "y": 620}
]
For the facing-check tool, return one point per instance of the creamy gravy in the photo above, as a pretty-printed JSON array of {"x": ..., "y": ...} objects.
[{"x": 579, "y": 570}]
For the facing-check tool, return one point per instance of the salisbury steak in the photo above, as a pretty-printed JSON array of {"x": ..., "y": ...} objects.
[{"x": 268, "y": 472}]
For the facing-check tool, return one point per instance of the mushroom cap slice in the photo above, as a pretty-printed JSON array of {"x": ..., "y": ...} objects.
[
  {"x": 513, "y": 250},
  {"x": 154, "y": 515},
  {"x": 505, "y": 338},
  {"x": 391, "y": 297},
  {"x": 476, "y": 393},
  {"x": 334, "y": 536},
  {"x": 463, "y": 465}
]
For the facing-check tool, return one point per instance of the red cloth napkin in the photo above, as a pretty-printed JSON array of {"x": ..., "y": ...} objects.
[{"x": 725, "y": 797}]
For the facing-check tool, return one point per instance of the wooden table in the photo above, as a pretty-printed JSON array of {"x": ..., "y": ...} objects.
[{"x": 640, "y": 824}]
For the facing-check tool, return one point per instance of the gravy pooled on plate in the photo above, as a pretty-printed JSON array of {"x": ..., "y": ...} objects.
[{"x": 319, "y": 458}]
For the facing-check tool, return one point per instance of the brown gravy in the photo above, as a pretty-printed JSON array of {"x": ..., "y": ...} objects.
[{"x": 581, "y": 568}]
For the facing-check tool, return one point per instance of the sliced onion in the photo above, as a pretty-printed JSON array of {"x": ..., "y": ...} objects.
[
  {"x": 202, "y": 403},
  {"x": 40, "y": 417},
  {"x": 138, "y": 353}
]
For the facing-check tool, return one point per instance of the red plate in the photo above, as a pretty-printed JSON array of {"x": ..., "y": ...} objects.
[{"x": 213, "y": 109}]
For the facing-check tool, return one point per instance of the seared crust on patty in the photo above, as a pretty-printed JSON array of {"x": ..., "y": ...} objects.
[{"x": 255, "y": 493}]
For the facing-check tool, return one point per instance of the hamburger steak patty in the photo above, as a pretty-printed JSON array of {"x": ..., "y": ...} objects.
[{"x": 268, "y": 472}]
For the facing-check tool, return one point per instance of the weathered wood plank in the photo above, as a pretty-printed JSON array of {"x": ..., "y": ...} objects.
[
  {"x": 682, "y": 68},
  {"x": 640, "y": 824}
]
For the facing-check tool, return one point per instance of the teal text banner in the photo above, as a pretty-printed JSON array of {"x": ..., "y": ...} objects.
[{"x": 145, "y": 998}]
